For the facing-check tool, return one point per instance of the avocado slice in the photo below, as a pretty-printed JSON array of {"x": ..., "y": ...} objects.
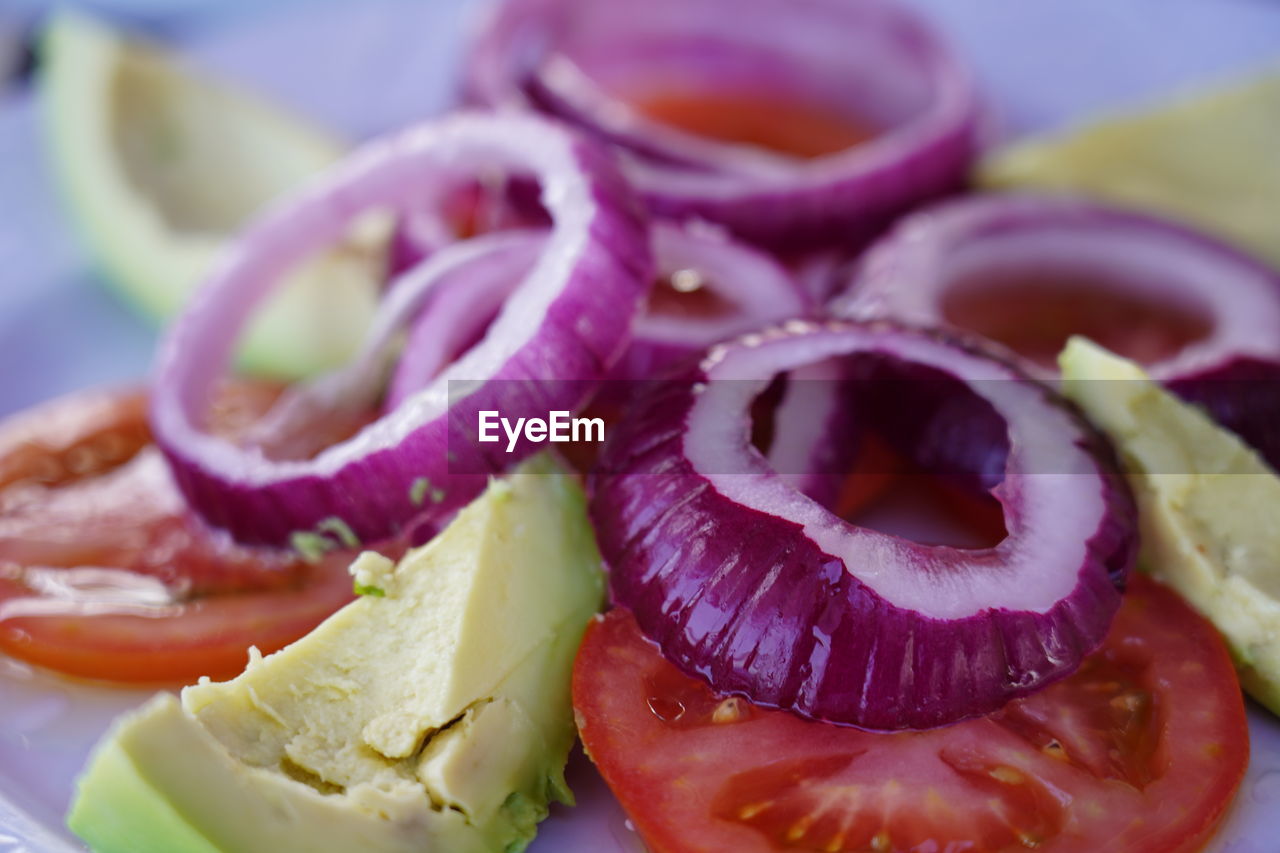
[
  {"x": 434, "y": 716},
  {"x": 160, "y": 167},
  {"x": 1207, "y": 158},
  {"x": 1207, "y": 505}
]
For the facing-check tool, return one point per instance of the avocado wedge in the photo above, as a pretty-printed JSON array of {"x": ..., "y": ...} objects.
[
  {"x": 1207, "y": 158},
  {"x": 160, "y": 167},
  {"x": 1208, "y": 506},
  {"x": 433, "y": 716}
]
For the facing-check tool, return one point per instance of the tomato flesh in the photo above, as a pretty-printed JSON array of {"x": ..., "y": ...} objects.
[
  {"x": 778, "y": 124},
  {"x": 1139, "y": 751},
  {"x": 71, "y": 438},
  {"x": 104, "y": 571},
  {"x": 1034, "y": 312}
]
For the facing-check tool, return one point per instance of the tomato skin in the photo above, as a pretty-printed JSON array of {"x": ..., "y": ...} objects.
[
  {"x": 106, "y": 574},
  {"x": 1140, "y": 752}
]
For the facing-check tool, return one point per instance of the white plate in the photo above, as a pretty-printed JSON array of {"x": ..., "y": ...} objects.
[{"x": 364, "y": 69}]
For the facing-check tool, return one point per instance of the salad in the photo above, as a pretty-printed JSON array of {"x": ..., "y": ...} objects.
[{"x": 708, "y": 387}]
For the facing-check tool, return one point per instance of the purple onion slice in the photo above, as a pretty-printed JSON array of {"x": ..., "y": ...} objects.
[
  {"x": 461, "y": 307},
  {"x": 710, "y": 288},
  {"x": 1030, "y": 271},
  {"x": 755, "y": 587},
  {"x": 816, "y": 432},
  {"x": 1243, "y": 395},
  {"x": 873, "y": 61},
  {"x": 567, "y": 319}
]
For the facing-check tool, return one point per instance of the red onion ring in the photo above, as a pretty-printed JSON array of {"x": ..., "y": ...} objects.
[
  {"x": 822, "y": 274},
  {"x": 754, "y": 291},
  {"x": 1234, "y": 368},
  {"x": 759, "y": 590},
  {"x": 815, "y": 432},
  {"x": 463, "y": 303},
  {"x": 458, "y": 277},
  {"x": 873, "y": 58},
  {"x": 568, "y": 318}
]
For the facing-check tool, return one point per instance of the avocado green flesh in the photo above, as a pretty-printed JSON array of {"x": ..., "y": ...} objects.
[
  {"x": 1207, "y": 506},
  {"x": 160, "y": 168},
  {"x": 436, "y": 717},
  {"x": 1208, "y": 159}
]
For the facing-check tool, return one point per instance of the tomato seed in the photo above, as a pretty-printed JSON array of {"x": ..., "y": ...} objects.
[
  {"x": 800, "y": 828},
  {"x": 731, "y": 710},
  {"x": 1007, "y": 775},
  {"x": 1054, "y": 749}
]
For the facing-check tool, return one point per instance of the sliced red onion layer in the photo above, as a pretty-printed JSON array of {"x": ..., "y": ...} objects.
[
  {"x": 568, "y": 318},
  {"x": 462, "y": 304},
  {"x": 461, "y": 209},
  {"x": 1029, "y": 271},
  {"x": 872, "y": 61},
  {"x": 740, "y": 289},
  {"x": 464, "y": 282},
  {"x": 710, "y": 288},
  {"x": 816, "y": 434},
  {"x": 753, "y": 586},
  {"x": 1243, "y": 395},
  {"x": 822, "y": 274}
]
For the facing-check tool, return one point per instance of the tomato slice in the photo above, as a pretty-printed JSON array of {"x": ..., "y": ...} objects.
[
  {"x": 1139, "y": 751},
  {"x": 783, "y": 125},
  {"x": 104, "y": 571}
]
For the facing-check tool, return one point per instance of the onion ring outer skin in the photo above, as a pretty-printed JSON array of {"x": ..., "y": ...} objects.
[
  {"x": 747, "y": 583},
  {"x": 569, "y": 58},
  {"x": 568, "y": 320}
]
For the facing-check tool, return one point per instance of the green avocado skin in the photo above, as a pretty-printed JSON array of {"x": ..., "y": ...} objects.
[{"x": 114, "y": 800}]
